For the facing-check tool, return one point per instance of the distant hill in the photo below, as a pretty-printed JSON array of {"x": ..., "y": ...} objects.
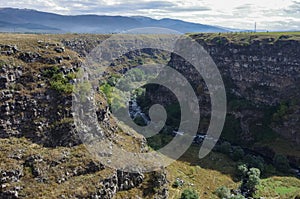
[{"x": 26, "y": 20}]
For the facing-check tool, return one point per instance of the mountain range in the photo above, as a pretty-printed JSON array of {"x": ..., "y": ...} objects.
[{"x": 33, "y": 21}]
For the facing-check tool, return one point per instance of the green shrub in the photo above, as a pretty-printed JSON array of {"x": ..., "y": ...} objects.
[
  {"x": 255, "y": 161},
  {"x": 239, "y": 196},
  {"x": 253, "y": 179},
  {"x": 237, "y": 153},
  {"x": 223, "y": 192},
  {"x": 176, "y": 184},
  {"x": 281, "y": 163},
  {"x": 71, "y": 76},
  {"x": 107, "y": 90},
  {"x": 242, "y": 170},
  {"x": 61, "y": 86},
  {"x": 225, "y": 147},
  {"x": 137, "y": 75},
  {"x": 113, "y": 80},
  {"x": 58, "y": 81},
  {"x": 51, "y": 71},
  {"x": 281, "y": 112},
  {"x": 270, "y": 169},
  {"x": 189, "y": 194},
  {"x": 124, "y": 84}
]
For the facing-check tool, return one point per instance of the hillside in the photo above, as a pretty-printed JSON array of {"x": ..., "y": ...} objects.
[{"x": 25, "y": 20}]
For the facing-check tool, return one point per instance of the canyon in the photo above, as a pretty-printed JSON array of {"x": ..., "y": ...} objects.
[{"x": 39, "y": 145}]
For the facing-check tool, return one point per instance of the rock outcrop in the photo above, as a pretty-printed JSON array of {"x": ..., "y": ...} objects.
[{"x": 39, "y": 142}]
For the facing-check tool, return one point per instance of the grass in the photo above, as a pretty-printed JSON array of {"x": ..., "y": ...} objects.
[
  {"x": 43, "y": 45},
  {"x": 246, "y": 38},
  {"x": 57, "y": 162},
  {"x": 279, "y": 187},
  {"x": 61, "y": 83},
  {"x": 218, "y": 170},
  {"x": 204, "y": 176}
]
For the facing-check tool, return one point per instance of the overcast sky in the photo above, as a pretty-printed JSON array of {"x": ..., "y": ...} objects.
[{"x": 269, "y": 14}]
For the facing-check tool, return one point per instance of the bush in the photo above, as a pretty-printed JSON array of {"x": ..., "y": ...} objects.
[
  {"x": 137, "y": 75},
  {"x": 270, "y": 169},
  {"x": 282, "y": 110},
  {"x": 113, "y": 80},
  {"x": 58, "y": 81},
  {"x": 242, "y": 170},
  {"x": 281, "y": 163},
  {"x": 253, "y": 179},
  {"x": 176, "y": 184},
  {"x": 61, "y": 87},
  {"x": 225, "y": 147},
  {"x": 237, "y": 154},
  {"x": 255, "y": 161},
  {"x": 239, "y": 196},
  {"x": 223, "y": 192},
  {"x": 189, "y": 194}
]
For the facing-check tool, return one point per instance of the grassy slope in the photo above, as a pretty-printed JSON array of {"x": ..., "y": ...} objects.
[
  {"x": 77, "y": 157},
  {"x": 204, "y": 176},
  {"x": 279, "y": 187}
]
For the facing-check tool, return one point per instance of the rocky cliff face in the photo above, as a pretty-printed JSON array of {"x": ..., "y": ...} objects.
[
  {"x": 27, "y": 101},
  {"x": 265, "y": 72},
  {"x": 261, "y": 76},
  {"x": 39, "y": 144}
]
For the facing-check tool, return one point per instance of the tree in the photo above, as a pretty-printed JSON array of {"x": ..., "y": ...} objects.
[
  {"x": 223, "y": 192},
  {"x": 255, "y": 161},
  {"x": 253, "y": 179},
  {"x": 281, "y": 163},
  {"x": 225, "y": 147},
  {"x": 250, "y": 181},
  {"x": 237, "y": 154},
  {"x": 189, "y": 194},
  {"x": 242, "y": 170}
]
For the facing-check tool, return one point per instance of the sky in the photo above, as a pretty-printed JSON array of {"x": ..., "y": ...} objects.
[{"x": 268, "y": 14}]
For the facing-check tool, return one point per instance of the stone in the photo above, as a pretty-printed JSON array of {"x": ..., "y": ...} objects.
[
  {"x": 29, "y": 57},
  {"x": 59, "y": 49}
]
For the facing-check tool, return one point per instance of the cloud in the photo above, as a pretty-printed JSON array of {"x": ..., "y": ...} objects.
[
  {"x": 127, "y": 7},
  {"x": 139, "y": 8},
  {"x": 269, "y": 14},
  {"x": 294, "y": 8}
]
